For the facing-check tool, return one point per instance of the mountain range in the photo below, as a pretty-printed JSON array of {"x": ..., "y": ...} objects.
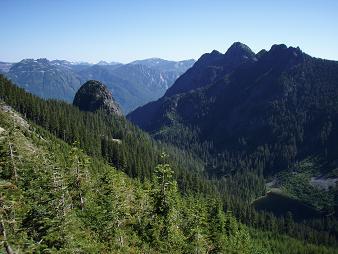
[
  {"x": 132, "y": 84},
  {"x": 58, "y": 195},
  {"x": 274, "y": 112},
  {"x": 240, "y": 157}
]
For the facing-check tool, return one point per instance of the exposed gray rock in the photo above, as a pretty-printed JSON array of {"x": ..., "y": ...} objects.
[{"x": 93, "y": 95}]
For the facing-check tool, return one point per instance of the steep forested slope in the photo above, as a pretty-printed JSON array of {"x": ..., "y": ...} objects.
[
  {"x": 265, "y": 113},
  {"x": 57, "y": 199},
  {"x": 274, "y": 114},
  {"x": 109, "y": 136},
  {"x": 117, "y": 142},
  {"x": 54, "y": 198}
]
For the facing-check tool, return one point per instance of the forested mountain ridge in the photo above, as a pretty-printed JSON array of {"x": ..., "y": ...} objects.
[
  {"x": 97, "y": 133},
  {"x": 133, "y": 84},
  {"x": 45, "y": 78},
  {"x": 279, "y": 106},
  {"x": 210, "y": 67},
  {"x": 276, "y": 114},
  {"x": 57, "y": 199}
]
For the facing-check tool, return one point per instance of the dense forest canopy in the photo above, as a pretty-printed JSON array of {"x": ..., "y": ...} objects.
[
  {"x": 136, "y": 154},
  {"x": 274, "y": 113}
]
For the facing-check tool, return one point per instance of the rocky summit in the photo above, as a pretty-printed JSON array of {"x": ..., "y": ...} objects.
[{"x": 94, "y": 95}]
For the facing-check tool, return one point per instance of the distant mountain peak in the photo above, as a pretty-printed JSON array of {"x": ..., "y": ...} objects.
[
  {"x": 107, "y": 63},
  {"x": 102, "y": 63},
  {"x": 155, "y": 59},
  {"x": 287, "y": 56},
  {"x": 283, "y": 47},
  {"x": 26, "y": 60},
  {"x": 261, "y": 53},
  {"x": 278, "y": 47},
  {"x": 208, "y": 58},
  {"x": 239, "y": 45},
  {"x": 44, "y": 60},
  {"x": 210, "y": 65},
  {"x": 239, "y": 49},
  {"x": 215, "y": 52}
]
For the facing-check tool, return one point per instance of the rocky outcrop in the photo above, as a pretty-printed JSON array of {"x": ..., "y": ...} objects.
[{"x": 93, "y": 95}]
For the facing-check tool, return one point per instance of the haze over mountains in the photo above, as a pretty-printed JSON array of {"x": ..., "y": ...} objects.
[{"x": 132, "y": 84}]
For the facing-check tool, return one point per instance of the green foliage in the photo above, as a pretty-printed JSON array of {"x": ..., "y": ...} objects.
[
  {"x": 105, "y": 136},
  {"x": 296, "y": 183},
  {"x": 70, "y": 199},
  {"x": 63, "y": 201}
]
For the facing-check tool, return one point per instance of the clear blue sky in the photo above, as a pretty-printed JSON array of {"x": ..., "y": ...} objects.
[{"x": 125, "y": 30}]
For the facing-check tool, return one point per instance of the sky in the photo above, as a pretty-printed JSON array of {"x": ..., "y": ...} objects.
[{"x": 126, "y": 30}]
